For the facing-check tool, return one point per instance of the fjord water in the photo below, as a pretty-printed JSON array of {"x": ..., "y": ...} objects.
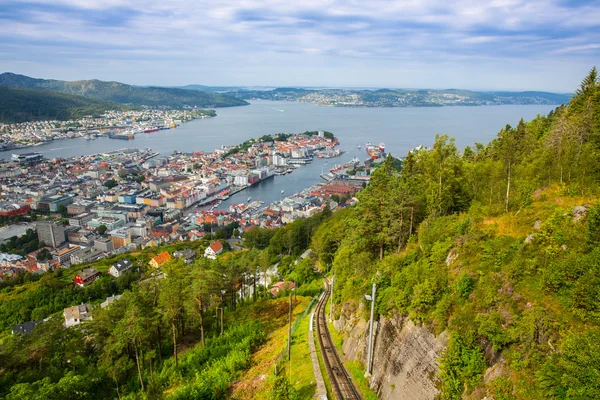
[{"x": 400, "y": 128}]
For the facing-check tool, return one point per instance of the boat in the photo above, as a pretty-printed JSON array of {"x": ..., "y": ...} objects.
[
  {"x": 249, "y": 198},
  {"x": 282, "y": 191},
  {"x": 382, "y": 147},
  {"x": 373, "y": 151},
  {"x": 359, "y": 146},
  {"x": 150, "y": 130},
  {"x": 121, "y": 136}
]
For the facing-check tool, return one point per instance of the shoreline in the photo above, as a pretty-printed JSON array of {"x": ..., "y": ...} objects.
[{"x": 41, "y": 143}]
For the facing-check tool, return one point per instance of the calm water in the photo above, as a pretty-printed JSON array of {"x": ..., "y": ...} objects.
[{"x": 400, "y": 128}]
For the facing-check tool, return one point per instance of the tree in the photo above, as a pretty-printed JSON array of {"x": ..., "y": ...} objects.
[
  {"x": 44, "y": 255},
  {"x": 102, "y": 229},
  {"x": 171, "y": 301},
  {"x": 111, "y": 183}
]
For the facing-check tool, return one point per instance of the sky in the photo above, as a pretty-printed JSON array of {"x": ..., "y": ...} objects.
[{"x": 469, "y": 44}]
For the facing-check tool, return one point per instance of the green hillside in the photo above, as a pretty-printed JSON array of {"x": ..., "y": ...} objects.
[
  {"x": 22, "y": 105},
  {"x": 126, "y": 94},
  {"x": 498, "y": 245}
]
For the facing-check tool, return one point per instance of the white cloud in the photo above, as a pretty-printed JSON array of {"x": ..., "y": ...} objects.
[{"x": 314, "y": 40}]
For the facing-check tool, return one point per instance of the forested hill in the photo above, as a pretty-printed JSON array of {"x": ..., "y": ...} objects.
[
  {"x": 125, "y": 94},
  {"x": 497, "y": 245},
  {"x": 402, "y": 98},
  {"x": 22, "y": 105}
]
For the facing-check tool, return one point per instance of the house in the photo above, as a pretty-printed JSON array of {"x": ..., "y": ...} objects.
[
  {"x": 280, "y": 287},
  {"x": 119, "y": 268},
  {"x": 110, "y": 300},
  {"x": 188, "y": 255},
  {"x": 160, "y": 259},
  {"x": 213, "y": 250},
  {"x": 77, "y": 314},
  {"x": 86, "y": 276},
  {"x": 25, "y": 328}
]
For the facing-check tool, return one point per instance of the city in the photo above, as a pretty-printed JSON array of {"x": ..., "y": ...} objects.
[
  {"x": 96, "y": 206},
  {"x": 38, "y": 132}
]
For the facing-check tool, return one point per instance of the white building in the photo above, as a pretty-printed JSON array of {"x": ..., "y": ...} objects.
[
  {"x": 213, "y": 250},
  {"x": 77, "y": 314}
]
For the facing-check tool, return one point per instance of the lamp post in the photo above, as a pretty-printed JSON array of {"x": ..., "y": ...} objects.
[{"x": 370, "y": 356}]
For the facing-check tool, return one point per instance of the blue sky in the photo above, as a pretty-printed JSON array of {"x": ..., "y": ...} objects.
[{"x": 472, "y": 44}]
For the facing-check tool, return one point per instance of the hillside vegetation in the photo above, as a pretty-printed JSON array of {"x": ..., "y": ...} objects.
[
  {"x": 125, "y": 94},
  {"x": 497, "y": 244},
  {"x": 401, "y": 97},
  {"x": 23, "y": 105}
]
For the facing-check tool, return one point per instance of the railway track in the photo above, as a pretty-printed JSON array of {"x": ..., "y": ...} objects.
[{"x": 341, "y": 383}]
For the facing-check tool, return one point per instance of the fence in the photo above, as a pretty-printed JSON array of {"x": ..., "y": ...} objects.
[{"x": 282, "y": 356}]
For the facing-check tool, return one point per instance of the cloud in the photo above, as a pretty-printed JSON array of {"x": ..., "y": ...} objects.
[{"x": 326, "y": 42}]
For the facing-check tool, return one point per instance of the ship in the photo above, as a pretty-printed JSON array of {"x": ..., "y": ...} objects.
[
  {"x": 382, "y": 147},
  {"x": 121, "y": 136},
  {"x": 373, "y": 151},
  {"x": 150, "y": 130}
]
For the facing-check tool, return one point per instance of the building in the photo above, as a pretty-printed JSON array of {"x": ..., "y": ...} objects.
[
  {"x": 160, "y": 259},
  {"x": 77, "y": 314},
  {"x": 63, "y": 256},
  {"x": 213, "y": 250},
  {"x": 27, "y": 157},
  {"x": 85, "y": 255},
  {"x": 12, "y": 209},
  {"x": 120, "y": 237},
  {"x": 110, "y": 300},
  {"x": 81, "y": 220},
  {"x": 119, "y": 268},
  {"x": 104, "y": 244},
  {"x": 86, "y": 276},
  {"x": 188, "y": 255},
  {"x": 26, "y": 328},
  {"x": 50, "y": 232},
  {"x": 280, "y": 287}
]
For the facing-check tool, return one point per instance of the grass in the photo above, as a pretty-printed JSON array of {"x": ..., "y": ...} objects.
[
  {"x": 301, "y": 374},
  {"x": 257, "y": 382}
]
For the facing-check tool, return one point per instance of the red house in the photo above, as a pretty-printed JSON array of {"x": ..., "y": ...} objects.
[{"x": 86, "y": 276}]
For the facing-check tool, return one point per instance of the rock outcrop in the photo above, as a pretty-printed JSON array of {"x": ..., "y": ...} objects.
[{"x": 405, "y": 363}]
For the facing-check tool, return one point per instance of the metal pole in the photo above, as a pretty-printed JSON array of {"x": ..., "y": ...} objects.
[
  {"x": 222, "y": 320},
  {"x": 289, "y": 347},
  {"x": 331, "y": 300},
  {"x": 370, "y": 358}
]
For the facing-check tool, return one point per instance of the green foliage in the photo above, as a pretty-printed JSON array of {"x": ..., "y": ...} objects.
[
  {"x": 23, "y": 105},
  {"x": 258, "y": 238},
  {"x": 122, "y": 93},
  {"x": 283, "y": 390},
  {"x": 461, "y": 366},
  {"x": 445, "y": 242},
  {"x": 102, "y": 229},
  {"x": 21, "y": 245}
]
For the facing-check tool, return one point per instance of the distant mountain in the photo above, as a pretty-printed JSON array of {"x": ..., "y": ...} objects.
[
  {"x": 402, "y": 98},
  {"x": 125, "y": 94},
  {"x": 207, "y": 88},
  {"x": 22, "y": 105}
]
